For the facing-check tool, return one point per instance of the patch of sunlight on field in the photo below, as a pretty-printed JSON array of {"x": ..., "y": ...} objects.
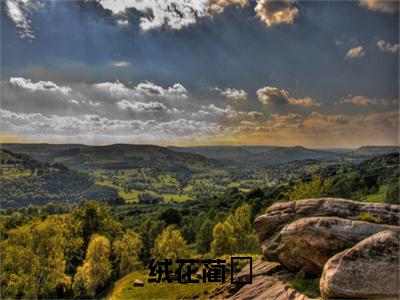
[
  {"x": 10, "y": 172},
  {"x": 123, "y": 289},
  {"x": 378, "y": 196},
  {"x": 131, "y": 196},
  {"x": 176, "y": 197}
]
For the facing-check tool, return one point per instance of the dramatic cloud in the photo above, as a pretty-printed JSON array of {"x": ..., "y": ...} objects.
[
  {"x": 172, "y": 14},
  {"x": 38, "y": 86},
  {"x": 142, "y": 106},
  {"x": 17, "y": 11},
  {"x": 319, "y": 130},
  {"x": 177, "y": 91},
  {"x": 356, "y": 52},
  {"x": 255, "y": 114},
  {"x": 275, "y": 96},
  {"x": 143, "y": 89},
  {"x": 276, "y": 12},
  {"x": 91, "y": 125},
  {"x": 215, "y": 111},
  {"x": 385, "y": 6},
  {"x": 155, "y": 14},
  {"x": 388, "y": 47},
  {"x": 110, "y": 109},
  {"x": 218, "y": 6},
  {"x": 120, "y": 64},
  {"x": 363, "y": 101},
  {"x": 231, "y": 93},
  {"x": 178, "y": 14}
]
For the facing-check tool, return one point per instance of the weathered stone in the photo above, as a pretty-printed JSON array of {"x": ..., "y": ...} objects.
[
  {"x": 370, "y": 270},
  {"x": 307, "y": 244},
  {"x": 270, "y": 281},
  {"x": 268, "y": 287},
  {"x": 138, "y": 282},
  {"x": 282, "y": 213},
  {"x": 259, "y": 267}
]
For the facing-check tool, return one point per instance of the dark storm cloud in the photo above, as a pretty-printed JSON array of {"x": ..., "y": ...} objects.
[{"x": 79, "y": 62}]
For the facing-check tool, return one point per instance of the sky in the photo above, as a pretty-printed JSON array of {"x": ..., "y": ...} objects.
[{"x": 322, "y": 74}]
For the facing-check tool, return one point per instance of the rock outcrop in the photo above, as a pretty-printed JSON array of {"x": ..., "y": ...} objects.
[
  {"x": 306, "y": 244},
  {"x": 354, "y": 245},
  {"x": 370, "y": 269},
  {"x": 282, "y": 213},
  {"x": 269, "y": 281}
]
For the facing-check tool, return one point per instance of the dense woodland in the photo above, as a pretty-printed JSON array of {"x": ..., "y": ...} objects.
[{"x": 58, "y": 241}]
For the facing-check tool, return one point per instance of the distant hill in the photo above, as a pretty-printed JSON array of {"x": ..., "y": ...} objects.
[
  {"x": 258, "y": 155},
  {"x": 25, "y": 180},
  {"x": 116, "y": 156},
  {"x": 370, "y": 151},
  {"x": 41, "y": 151}
]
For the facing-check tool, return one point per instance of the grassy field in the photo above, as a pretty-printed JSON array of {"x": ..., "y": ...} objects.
[
  {"x": 378, "y": 196},
  {"x": 123, "y": 289},
  {"x": 11, "y": 172},
  {"x": 176, "y": 197},
  {"x": 131, "y": 196}
]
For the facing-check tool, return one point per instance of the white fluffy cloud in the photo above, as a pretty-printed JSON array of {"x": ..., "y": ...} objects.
[
  {"x": 385, "y": 6},
  {"x": 143, "y": 89},
  {"x": 275, "y": 96},
  {"x": 120, "y": 64},
  {"x": 363, "y": 101},
  {"x": 388, "y": 47},
  {"x": 231, "y": 93},
  {"x": 17, "y": 11},
  {"x": 172, "y": 14},
  {"x": 155, "y": 14},
  {"x": 39, "y": 86},
  {"x": 146, "y": 110},
  {"x": 94, "y": 125},
  {"x": 178, "y": 14},
  {"x": 214, "y": 111},
  {"x": 141, "y": 106},
  {"x": 356, "y": 52},
  {"x": 276, "y": 12}
]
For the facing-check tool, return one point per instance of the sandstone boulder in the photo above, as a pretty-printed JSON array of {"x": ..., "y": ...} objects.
[
  {"x": 282, "y": 213},
  {"x": 259, "y": 268},
  {"x": 268, "y": 287},
  {"x": 307, "y": 244},
  {"x": 370, "y": 270},
  {"x": 270, "y": 281}
]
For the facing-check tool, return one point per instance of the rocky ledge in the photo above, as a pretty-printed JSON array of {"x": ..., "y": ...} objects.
[{"x": 351, "y": 248}]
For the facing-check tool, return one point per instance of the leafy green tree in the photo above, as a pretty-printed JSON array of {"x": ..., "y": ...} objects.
[
  {"x": 224, "y": 239},
  {"x": 171, "y": 216},
  {"x": 392, "y": 194},
  {"x": 32, "y": 261},
  {"x": 96, "y": 269},
  {"x": 93, "y": 217},
  {"x": 126, "y": 252},
  {"x": 235, "y": 234},
  {"x": 243, "y": 228},
  {"x": 350, "y": 185},
  {"x": 204, "y": 236},
  {"x": 170, "y": 244},
  {"x": 150, "y": 229},
  {"x": 316, "y": 188}
]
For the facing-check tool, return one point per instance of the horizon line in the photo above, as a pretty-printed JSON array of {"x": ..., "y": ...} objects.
[{"x": 197, "y": 146}]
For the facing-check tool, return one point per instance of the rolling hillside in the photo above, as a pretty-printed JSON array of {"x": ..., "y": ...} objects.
[
  {"x": 117, "y": 156},
  {"x": 25, "y": 180},
  {"x": 258, "y": 155}
]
